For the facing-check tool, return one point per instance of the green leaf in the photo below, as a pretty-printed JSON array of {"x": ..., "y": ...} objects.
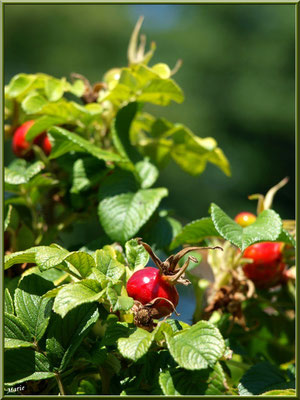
[
  {"x": 160, "y": 331},
  {"x": 280, "y": 392},
  {"x": 192, "y": 153},
  {"x": 65, "y": 334},
  {"x": 161, "y": 92},
  {"x": 179, "y": 382},
  {"x": 33, "y": 310},
  {"x": 195, "y": 232},
  {"x": 261, "y": 378},
  {"x": 285, "y": 237},
  {"x": 136, "y": 255},
  {"x": 123, "y": 209},
  {"x": 140, "y": 83},
  {"x": 19, "y": 257},
  {"x": 108, "y": 266},
  {"x": 24, "y": 365},
  {"x": 84, "y": 145},
  {"x": 135, "y": 345},
  {"x": 147, "y": 172},
  {"x": 77, "y": 88},
  {"x": 14, "y": 177},
  {"x": 33, "y": 103},
  {"x": 86, "y": 173},
  {"x": 43, "y": 124},
  {"x": 74, "y": 294},
  {"x": 198, "y": 347},
  {"x": 120, "y": 132},
  {"x": 160, "y": 230},
  {"x": 83, "y": 262},
  {"x": 122, "y": 303},
  {"x": 267, "y": 227},
  {"x": 159, "y": 139},
  {"x": 115, "y": 331},
  {"x": 49, "y": 257},
  {"x": 54, "y": 89},
  {"x": 8, "y": 302},
  {"x": 16, "y": 333},
  {"x": 19, "y": 84},
  {"x": 8, "y": 216}
]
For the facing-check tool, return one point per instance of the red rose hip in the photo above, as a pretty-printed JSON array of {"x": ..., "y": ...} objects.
[
  {"x": 147, "y": 284},
  {"x": 153, "y": 289},
  {"x": 267, "y": 266},
  {"x": 22, "y": 148}
]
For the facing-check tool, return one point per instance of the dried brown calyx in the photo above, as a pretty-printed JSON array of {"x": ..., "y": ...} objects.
[
  {"x": 169, "y": 268},
  {"x": 229, "y": 298}
]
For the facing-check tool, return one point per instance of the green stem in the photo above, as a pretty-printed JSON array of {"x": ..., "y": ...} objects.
[
  {"x": 60, "y": 385},
  {"x": 105, "y": 380}
]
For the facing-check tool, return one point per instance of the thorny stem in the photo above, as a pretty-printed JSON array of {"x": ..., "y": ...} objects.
[{"x": 60, "y": 385}]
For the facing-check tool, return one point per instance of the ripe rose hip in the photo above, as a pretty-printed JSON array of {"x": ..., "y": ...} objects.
[
  {"x": 22, "y": 148},
  {"x": 245, "y": 218},
  {"x": 154, "y": 288},
  {"x": 148, "y": 284},
  {"x": 267, "y": 266}
]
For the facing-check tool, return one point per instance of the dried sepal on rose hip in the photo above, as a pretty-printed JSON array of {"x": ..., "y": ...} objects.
[{"x": 153, "y": 289}]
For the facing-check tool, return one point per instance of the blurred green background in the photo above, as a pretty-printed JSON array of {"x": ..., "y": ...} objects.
[{"x": 237, "y": 75}]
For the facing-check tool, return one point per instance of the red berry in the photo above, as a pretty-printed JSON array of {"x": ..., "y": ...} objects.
[
  {"x": 20, "y": 145},
  {"x": 245, "y": 218},
  {"x": 43, "y": 141},
  {"x": 267, "y": 266},
  {"x": 22, "y": 148},
  {"x": 147, "y": 284}
]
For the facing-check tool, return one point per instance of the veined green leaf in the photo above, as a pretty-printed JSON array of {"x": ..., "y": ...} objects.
[
  {"x": 31, "y": 308},
  {"x": 108, "y": 266},
  {"x": 20, "y": 257},
  {"x": 136, "y": 255},
  {"x": 263, "y": 377},
  {"x": 135, "y": 345},
  {"x": 120, "y": 133},
  {"x": 65, "y": 334},
  {"x": 14, "y": 177},
  {"x": 117, "y": 302},
  {"x": 267, "y": 227},
  {"x": 198, "y": 347},
  {"x": 180, "y": 382},
  {"x": 147, "y": 172},
  {"x": 8, "y": 302},
  {"x": 87, "y": 171},
  {"x": 83, "y": 262},
  {"x": 74, "y": 294},
  {"x": 16, "y": 333},
  {"x": 84, "y": 145},
  {"x": 123, "y": 208},
  {"x": 43, "y": 124},
  {"x": 22, "y": 365},
  {"x": 194, "y": 232}
]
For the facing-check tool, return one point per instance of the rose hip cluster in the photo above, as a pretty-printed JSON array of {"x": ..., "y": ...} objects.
[{"x": 22, "y": 148}]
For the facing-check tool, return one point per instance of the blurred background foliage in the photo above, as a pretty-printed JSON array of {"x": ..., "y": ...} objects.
[{"x": 238, "y": 76}]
